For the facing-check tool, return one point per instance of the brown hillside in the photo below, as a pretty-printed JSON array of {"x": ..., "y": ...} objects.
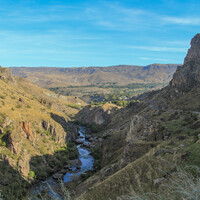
[{"x": 122, "y": 74}]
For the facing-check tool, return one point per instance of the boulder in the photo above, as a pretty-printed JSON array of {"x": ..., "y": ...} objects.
[
  {"x": 63, "y": 171},
  {"x": 86, "y": 145},
  {"x": 79, "y": 141},
  {"x": 158, "y": 180},
  {"x": 87, "y": 137},
  {"x": 57, "y": 176}
]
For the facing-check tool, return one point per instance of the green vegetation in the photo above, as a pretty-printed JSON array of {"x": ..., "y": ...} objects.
[
  {"x": 16, "y": 187},
  {"x": 38, "y": 131},
  {"x": 31, "y": 174},
  {"x": 107, "y": 92},
  {"x": 18, "y": 106},
  {"x": 76, "y": 106},
  {"x": 180, "y": 185},
  {"x": 4, "y": 136},
  {"x": 53, "y": 162}
]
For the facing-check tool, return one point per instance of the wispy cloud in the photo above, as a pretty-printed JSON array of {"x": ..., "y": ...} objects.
[
  {"x": 159, "y": 49},
  {"x": 154, "y": 59},
  {"x": 182, "y": 20}
]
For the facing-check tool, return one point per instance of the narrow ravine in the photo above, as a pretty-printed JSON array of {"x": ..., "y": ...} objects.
[{"x": 86, "y": 163}]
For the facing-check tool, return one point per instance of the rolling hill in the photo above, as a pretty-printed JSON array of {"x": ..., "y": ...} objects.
[{"x": 49, "y": 77}]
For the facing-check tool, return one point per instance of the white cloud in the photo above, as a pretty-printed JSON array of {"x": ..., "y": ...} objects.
[
  {"x": 154, "y": 59},
  {"x": 182, "y": 20},
  {"x": 161, "y": 49}
]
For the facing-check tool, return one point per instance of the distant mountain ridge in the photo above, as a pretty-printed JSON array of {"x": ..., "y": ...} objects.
[{"x": 121, "y": 74}]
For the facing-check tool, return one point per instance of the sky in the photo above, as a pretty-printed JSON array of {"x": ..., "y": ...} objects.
[{"x": 77, "y": 33}]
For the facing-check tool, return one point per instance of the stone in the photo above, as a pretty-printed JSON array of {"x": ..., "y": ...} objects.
[
  {"x": 26, "y": 127},
  {"x": 14, "y": 145},
  {"x": 23, "y": 164},
  {"x": 79, "y": 141},
  {"x": 45, "y": 125},
  {"x": 63, "y": 171},
  {"x": 158, "y": 180},
  {"x": 91, "y": 139},
  {"x": 181, "y": 146},
  {"x": 21, "y": 100},
  {"x": 86, "y": 145},
  {"x": 75, "y": 162},
  {"x": 87, "y": 137},
  {"x": 57, "y": 176}
]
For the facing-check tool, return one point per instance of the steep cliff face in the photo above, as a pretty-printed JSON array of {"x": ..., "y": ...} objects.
[
  {"x": 188, "y": 76},
  {"x": 96, "y": 114}
]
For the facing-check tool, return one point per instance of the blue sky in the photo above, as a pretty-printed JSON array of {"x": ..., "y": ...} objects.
[{"x": 74, "y": 33}]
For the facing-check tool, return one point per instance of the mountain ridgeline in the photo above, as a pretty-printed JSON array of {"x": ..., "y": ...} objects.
[{"x": 49, "y": 77}]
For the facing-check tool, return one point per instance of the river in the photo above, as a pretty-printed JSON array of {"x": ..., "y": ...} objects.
[{"x": 87, "y": 162}]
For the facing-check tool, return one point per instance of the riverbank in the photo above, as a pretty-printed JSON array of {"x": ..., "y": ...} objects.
[{"x": 70, "y": 172}]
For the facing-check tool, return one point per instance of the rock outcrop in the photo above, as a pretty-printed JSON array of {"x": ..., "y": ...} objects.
[
  {"x": 14, "y": 144},
  {"x": 6, "y": 75},
  {"x": 143, "y": 129},
  {"x": 26, "y": 127},
  {"x": 23, "y": 164},
  {"x": 188, "y": 75},
  {"x": 96, "y": 114}
]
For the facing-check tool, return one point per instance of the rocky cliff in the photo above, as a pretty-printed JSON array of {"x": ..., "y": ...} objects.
[
  {"x": 188, "y": 75},
  {"x": 144, "y": 143},
  {"x": 96, "y": 114},
  {"x": 34, "y": 125}
]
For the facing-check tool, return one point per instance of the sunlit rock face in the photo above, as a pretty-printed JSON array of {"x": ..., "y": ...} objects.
[{"x": 188, "y": 76}]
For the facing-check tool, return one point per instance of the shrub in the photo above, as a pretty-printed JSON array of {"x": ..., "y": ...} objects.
[
  {"x": 2, "y": 97},
  {"x": 42, "y": 150},
  {"x": 31, "y": 174},
  {"x": 18, "y": 106},
  {"x": 47, "y": 133},
  {"x": 38, "y": 131}
]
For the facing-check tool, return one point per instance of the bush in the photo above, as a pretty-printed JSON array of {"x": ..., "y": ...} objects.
[
  {"x": 32, "y": 174},
  {"x": 42, "y": 150},
  {"x": 38, "y": 131},
  {"x": 18, "y": 106}
]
